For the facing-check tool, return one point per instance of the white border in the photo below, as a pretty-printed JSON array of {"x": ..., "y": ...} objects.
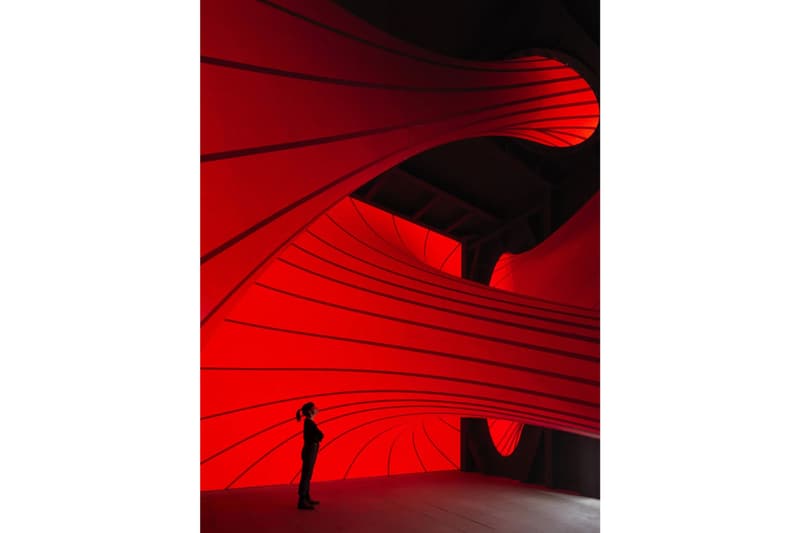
[
  {"x": 99, "y": 211},
  {"x": 99, "y": 287},
  {"x": 700, "y": 267}
]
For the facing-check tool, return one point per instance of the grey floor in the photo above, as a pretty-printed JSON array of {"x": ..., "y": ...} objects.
[{"x": 435, "y": 502}]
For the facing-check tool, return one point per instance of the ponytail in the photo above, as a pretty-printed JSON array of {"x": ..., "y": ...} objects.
[{"x": 304, "y": 411}]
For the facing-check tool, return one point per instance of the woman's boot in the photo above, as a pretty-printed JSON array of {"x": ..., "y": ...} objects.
[{"x": 302, "y": 503}]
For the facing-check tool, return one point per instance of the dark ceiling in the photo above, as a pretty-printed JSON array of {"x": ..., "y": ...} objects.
[{"x": 494, "y": 194}]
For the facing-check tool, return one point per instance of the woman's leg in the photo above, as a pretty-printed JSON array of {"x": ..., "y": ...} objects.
[
  {"x": 311, "y": 460},
  {"x": 305, "y": 480}
]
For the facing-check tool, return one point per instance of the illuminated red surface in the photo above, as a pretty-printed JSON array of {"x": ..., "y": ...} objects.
[
  {"x": 564, "y": 268},
  {"x": 300, "y": 108},
  {"x": 505, "y": 434},
  {"x": 393, "y": 351},
  {"x": 306, "y": 294},
  {"x": 411, "y": 241}
]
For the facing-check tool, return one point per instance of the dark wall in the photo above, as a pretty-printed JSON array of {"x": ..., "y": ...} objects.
[{"x": 548, "y": 457}]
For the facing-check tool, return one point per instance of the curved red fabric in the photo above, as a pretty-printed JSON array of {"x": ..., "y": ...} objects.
[
  {"x": 505, "y": 435},
  {"x": 564, "y": 268},
  {"x": 300, "y": 105},
  {"x": 386, "y": 345},
  {"x": 307, "y": 294}
]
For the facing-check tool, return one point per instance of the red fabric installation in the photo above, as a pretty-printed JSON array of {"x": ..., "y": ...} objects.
[
  {"x": 309, "y": 295},
  {"x": 390, "y": 348},
  {"x": 505, "y": 435},
  {"x": 412, "y": 240},
  {"x": 564, "y": 268}
]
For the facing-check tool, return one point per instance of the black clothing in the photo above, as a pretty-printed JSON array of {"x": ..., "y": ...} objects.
[
  {"x": 309, "y": 456},
  {"x": 311, "y": 433},
  {"x": 311, "y": 439}
]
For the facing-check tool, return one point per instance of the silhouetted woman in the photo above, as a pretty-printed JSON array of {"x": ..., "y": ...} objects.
[{"x": 311, "y": 438}]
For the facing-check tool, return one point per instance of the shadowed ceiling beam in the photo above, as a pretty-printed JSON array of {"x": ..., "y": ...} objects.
[
  {"x": 427, "y": 207},
  {"x": 375, "y": 187},
  {"x": 444, "y": 194},
  {"x": 508, "y": 224},
  {"x": 460, "y": 220}
]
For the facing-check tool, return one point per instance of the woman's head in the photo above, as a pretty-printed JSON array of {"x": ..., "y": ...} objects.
[{"x": 308, "y": 410}]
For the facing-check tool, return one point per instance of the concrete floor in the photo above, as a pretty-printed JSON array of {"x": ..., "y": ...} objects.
[{"x": 429, "y": 502}]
